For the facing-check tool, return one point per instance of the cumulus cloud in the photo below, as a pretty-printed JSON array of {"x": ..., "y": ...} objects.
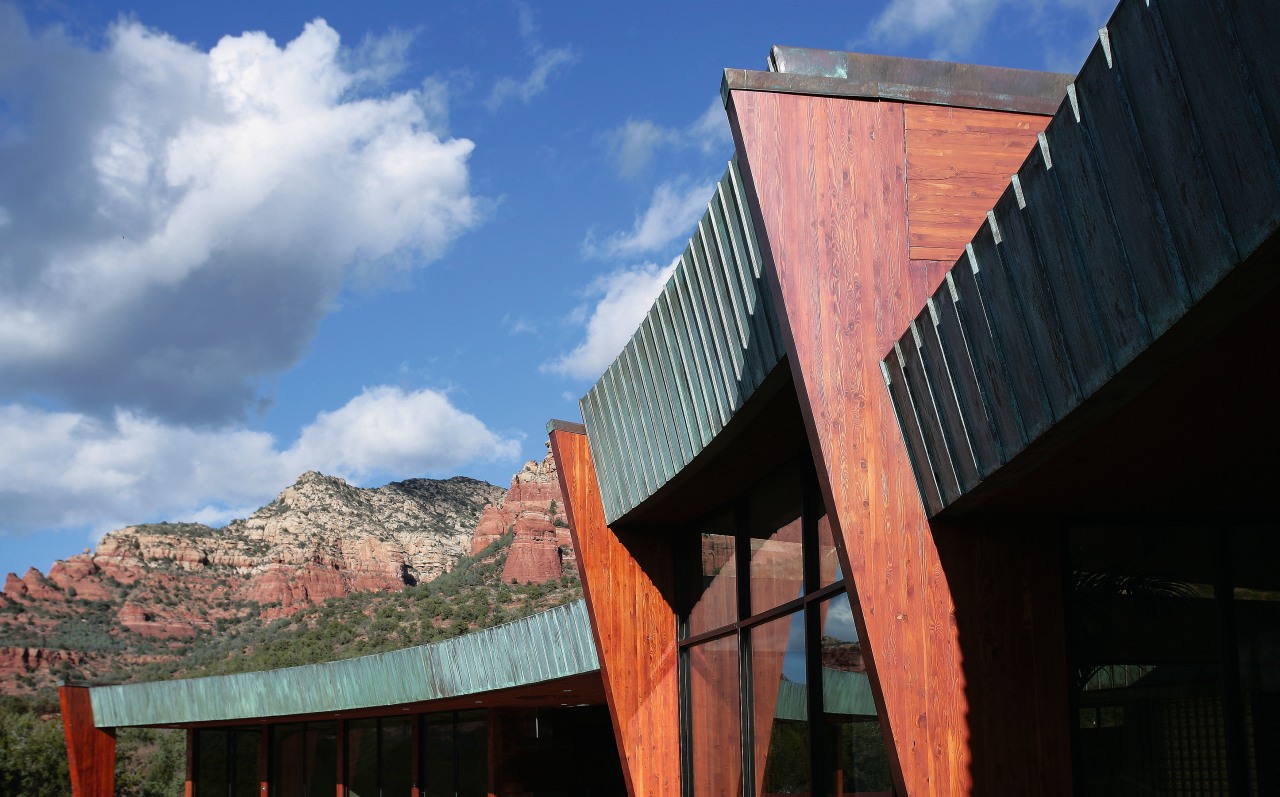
[
  {"x": 952, "y": 27},
  {"x": 546, "y": 61},
  {"x": 68, "y": 469},
  {"x": 179, "y": 221},
  {"x": 635, "y": 144},
  {"x": 674, "y": 209},
  {"x": 624, "y": 297}
]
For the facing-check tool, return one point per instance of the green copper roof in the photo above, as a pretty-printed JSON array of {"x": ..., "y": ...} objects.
[
  {"x": 546, "y": 646},
  {"x": 707, "y": 343},
  {"x": 842, "y": 693}
]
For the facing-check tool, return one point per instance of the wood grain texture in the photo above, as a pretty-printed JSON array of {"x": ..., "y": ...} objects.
[
  {"x": 958, "y": 161},
  {"x": 91, "y": 751},
  {"x": 830, "y": 182},
  {"x": 628, "y": 580}
]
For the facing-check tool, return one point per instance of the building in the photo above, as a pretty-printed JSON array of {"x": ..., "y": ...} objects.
[{"x": 919, "y": 479}]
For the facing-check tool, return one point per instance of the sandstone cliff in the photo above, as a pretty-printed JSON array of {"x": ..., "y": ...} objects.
[{"x": 533, "y": 509}]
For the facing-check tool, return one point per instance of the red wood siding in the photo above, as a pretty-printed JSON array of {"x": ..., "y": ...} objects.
[
  {"x": 830, "y": 181},
  {"x": 91, "y": 751},
  {"x": 959, "y": 161},
  {"x": 628, "y": 582}
]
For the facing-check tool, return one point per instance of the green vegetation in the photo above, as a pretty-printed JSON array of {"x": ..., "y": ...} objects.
[{"x": 33, "y": 754}]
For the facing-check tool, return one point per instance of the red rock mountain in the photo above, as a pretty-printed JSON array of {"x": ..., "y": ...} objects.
[
  {"x": 320, "y": 538},
  {"x": 533, "y": 509}
]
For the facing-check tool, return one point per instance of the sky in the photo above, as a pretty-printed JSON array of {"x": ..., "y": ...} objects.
[{"x": 240, "y": 241}]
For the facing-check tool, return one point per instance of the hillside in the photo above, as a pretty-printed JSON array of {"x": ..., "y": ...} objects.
[{"x": 325, "y": 571}]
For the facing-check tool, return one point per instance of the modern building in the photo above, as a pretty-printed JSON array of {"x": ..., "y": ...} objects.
[{"x": 941, "y": 466}]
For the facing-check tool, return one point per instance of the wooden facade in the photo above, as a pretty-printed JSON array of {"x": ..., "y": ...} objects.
[{"x": 91, "y": 751}]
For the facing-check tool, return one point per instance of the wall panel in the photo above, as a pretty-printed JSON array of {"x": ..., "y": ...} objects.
[
  {"x": 91, "y": 751},
  {"x": 628, "y": 582},
  {"x": 829, "y": 180}
]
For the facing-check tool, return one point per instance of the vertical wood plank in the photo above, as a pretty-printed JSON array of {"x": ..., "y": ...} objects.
[
  {"x": 628, "y": 582},
  {"x": 188, "y": 780},
  {"x": 91, "y": 751}
]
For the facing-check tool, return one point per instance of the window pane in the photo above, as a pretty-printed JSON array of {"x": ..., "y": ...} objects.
[
  {"x": 437, "y": 755},
  {"x": 713, "y": 696},
  {"x": 1144, "y": 662},
  {"x": 777, "y": 562},
  {"x": 287, "y": 762},
  {"x": 714, "y": 599},
  {"x": 322, "y": 759},
  {"x": 829, "y": 570},
  {"x": 362, "y": 758},
  {"x": 245, "y": 779},
  {"x": 781, "y": 694},
  {"x": 211, "y": 764},
  {"x": 396, "y": 740},
  {"x": 473, "y": 754},
  {"x": 1257, "y": 611},
  {"x": 855, "y": 743}
]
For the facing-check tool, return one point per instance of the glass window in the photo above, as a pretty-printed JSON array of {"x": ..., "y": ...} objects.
[
  {"x": 714, "y": 598},
  {"x": 245, "y": 777},
  {"x": 777, "y": 560},
  {"x": 395, "y": 753},
  {"x": 858, "y": 759},
  {"x": 455, "y": 754},
  {"x": 713, "y": 696},
  {"x": 211, "y": 763},
  {"x": 362, "y": 758},
  {"x": 781, "y": 706},
  {"x": 437, "y": 756},
  {"x": 1145, "y": 663},
  {"x": 304, "y": 759},
  {"x": 472, "y": 753}
]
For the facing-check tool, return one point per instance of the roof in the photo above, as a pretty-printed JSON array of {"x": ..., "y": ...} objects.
[
  {"x": 833, "y": 73},
  {"x": 547, "y": 646},
  {"x": 1156, "y": 178}
]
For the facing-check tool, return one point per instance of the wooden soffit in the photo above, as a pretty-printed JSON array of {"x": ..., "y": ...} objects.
[{"x": 1156, "y": 178}]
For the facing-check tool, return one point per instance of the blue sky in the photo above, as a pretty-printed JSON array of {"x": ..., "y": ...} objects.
[{"x": 239, "y": 241}]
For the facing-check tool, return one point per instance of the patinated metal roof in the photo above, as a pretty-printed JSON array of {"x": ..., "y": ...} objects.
[
  {"x": 706, "y": 345},
  {"x": 1157, "y": 176},
  {"x": 543, "y": 647},
  {"x": 833, "y": 73}
]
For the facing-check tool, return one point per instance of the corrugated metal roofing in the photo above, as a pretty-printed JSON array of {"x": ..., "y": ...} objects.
[
  {"x": 707, "y": 343},
  {"x": 543, "y": 647},
  {"x": 1156, "y": 177},
  {"x": 842, "y": 693}
]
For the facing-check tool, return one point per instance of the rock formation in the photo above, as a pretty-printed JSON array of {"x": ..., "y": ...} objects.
[{"x": 533, "y": 510}]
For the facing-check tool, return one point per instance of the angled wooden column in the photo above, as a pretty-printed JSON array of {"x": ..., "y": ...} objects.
[
  {"x": 627, "y": 579},
  {"x": 91, "y": 751},
  {"x": 830, "y": 184}
]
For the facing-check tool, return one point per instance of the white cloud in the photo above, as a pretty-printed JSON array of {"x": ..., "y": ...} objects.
[
  {"x": 635, "y": 144},
  {"x": 545, "y": 63},
  {"x": 674, "y": 209},
  {"x": 180, "y": 221},
  {"x": 385, "y": 429},
  {"x": 625, "y": 297},
  {"x": 952, "y": 27},
  {"x": 67, "y": 469}
]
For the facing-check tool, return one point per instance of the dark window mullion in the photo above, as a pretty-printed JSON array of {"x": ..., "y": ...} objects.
[
  {"x": 818, "y": 768},
  {"x": 742, "y": 559}
]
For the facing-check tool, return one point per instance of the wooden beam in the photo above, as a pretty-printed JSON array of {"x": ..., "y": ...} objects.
[
  {"x": 828, "y": 180},
  {"x": 91, "y": 751},
  {"x": 628, "y": 580}
]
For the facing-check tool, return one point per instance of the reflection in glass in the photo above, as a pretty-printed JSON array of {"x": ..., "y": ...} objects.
[
  {"x": 777, "y": 561},
  {"x": 1256, "y": 604},
  {"x": 1144, "y": 663},
  {"x": 829, "y": 570},
  {"x": 853, "y": 736},
  {"x": 395, "y": 740},
  {"x": 780, "y": 694},
  {"x": 362, "y": 758},
  {"x": 288, "y": 748},
  {"x": 211, "y": 763},
  {"x": 245, "y": 779},
  {"x": 715, "y": 734},
  {"x": 322, "y": 758},
  {"x": 714, "y": 601},
  {"x": 455, "y": 754}
]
